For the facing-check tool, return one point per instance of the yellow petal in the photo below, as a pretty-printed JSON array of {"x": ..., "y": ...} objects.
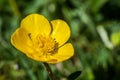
[
  {"x": 42, "y": 58},
  {"x": 61, "y": 31},
  {"x": 63, "y": 53},
  {"x": 21, "y": 40},
  {"x": 36, "y": 24}
]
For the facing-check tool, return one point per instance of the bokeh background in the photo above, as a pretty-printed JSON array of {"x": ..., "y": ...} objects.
[{"x": 95, "y": 26}]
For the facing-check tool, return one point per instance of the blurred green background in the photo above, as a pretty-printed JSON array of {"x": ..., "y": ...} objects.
[{"x": 95, "y": 26}]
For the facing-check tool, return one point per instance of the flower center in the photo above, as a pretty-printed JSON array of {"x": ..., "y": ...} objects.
[{"x": 44, "y": 44}]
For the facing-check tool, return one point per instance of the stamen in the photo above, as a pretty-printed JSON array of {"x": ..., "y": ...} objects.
[{"x": 44, "y": 44}]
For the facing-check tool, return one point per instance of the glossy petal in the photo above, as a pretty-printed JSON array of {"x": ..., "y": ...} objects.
[
  {"x": 42, "y": 58},
  {"x": 61, "y": 31},
  {"x": 21, "y": 40},
  {"x": 36, "y": 24},
  {"x": 63, "y": 53}
]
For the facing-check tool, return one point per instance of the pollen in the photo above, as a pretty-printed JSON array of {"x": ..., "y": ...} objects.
[{"x": 44, "y": 44}]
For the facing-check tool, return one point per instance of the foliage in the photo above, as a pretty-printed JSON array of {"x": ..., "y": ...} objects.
[{"x": 95, "y": 26}]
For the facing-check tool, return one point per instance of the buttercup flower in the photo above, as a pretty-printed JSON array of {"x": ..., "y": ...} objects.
[{"x": 42, "y": 40}]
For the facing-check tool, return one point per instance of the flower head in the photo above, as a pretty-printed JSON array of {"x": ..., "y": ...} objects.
[{"x": 42, "y": 40}]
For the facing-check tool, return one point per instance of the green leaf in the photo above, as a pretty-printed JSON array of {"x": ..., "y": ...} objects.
[
  {"x": 97, "y": 4},
  {"x": 74, "y": 75}
]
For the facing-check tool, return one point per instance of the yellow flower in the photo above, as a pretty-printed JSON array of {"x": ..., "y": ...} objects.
[{"x": 42, "y": 40}]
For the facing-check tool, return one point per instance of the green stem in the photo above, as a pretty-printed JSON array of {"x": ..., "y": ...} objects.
[
  {"x": 15, "y": 8},
  {"x": 49, "y": 71}
]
